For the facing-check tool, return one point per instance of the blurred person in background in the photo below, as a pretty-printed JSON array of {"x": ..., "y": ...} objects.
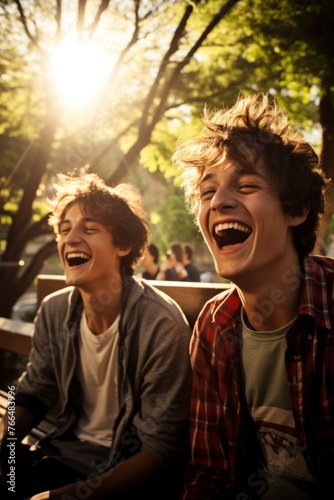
[
  {"x": 190, "y": 267},
  {"x": 173, "y": 269},
  {"x": 150, "y": 262}
]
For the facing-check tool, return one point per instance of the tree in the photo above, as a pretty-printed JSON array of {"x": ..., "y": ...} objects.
[
  {"x": 295, "y": 39},
  {"x": 285, "y": 49},
  {"x": 156, "y": 51},
  {"x": 172, "y": 57}
]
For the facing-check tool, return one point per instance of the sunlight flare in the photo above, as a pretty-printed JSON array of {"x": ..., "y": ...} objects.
[{"x": 80, "y": 70}]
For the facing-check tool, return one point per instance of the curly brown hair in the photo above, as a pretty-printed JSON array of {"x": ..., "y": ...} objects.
[
  {"x": 120, "y": 210},
  {"x": 255, "y": 126}
]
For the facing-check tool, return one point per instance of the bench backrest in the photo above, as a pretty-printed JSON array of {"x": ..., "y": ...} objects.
[
  {"x": 15, "y": 336},
  {"x": 190, "y": 296}
]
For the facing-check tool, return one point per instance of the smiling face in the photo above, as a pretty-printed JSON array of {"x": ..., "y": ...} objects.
[
  {"x": 242, "y": 221},
  {"x": 90, "y": 259}
]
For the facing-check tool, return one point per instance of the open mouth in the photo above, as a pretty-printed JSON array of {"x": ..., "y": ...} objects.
[
  {"x": 76, "y": 259},
  {"x": 231, "y": 233}
]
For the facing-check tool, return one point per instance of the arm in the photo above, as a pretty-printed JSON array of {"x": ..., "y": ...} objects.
[
  {"x": 209, "y": 469},
  {"x": 24, "y": 422},
  {"x": 164, "y": 390},
  {"x": 128, "y": 476},
  {"x": 41, "y": 379}
]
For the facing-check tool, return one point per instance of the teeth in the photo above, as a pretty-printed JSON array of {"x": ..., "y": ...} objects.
[
  {"x": 220, "y": 228},
  {"x": 77, "y": 256}
]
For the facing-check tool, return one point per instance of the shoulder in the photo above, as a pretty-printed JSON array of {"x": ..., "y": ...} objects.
[
  {"x": 193, "y": 272},
  {"x": 151, "y": 293},
  {"x": 319, "y": 266},
  {"x": 63, "y": 296},
  {"x": 222, "y": 308},
  {"x": 58, "y": 306},
  {"x": 155, "y": 303}
]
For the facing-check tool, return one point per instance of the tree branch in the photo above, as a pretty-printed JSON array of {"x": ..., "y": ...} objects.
[
  {"x": 58, "y": 19},
  {"x": 147, "y": 124},
  {"x": 81, "y": 17},
  {"x": 23, "y": 19},
  {"x": 34, "y": 267},
  {"x": 179, "y": 67},
  {"x": 102, "y": 7},
  {"x": 165, "y": 60}
]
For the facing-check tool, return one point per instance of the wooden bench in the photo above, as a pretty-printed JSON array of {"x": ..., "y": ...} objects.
[
  {"x": 16, "y": 336},
  {"x": 190, "y": 296}
]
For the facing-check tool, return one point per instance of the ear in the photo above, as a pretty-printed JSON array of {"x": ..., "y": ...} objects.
[
  {"x": 124, "y": 251},
  {"x": 296, "y": 220}
]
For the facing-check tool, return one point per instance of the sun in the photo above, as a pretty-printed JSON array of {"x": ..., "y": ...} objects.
[{"x": 80, "y": 70}]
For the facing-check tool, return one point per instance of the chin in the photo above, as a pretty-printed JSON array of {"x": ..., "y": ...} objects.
[
  {"x": 225, "y": 271},
  {"x": 70, "y": 280}
]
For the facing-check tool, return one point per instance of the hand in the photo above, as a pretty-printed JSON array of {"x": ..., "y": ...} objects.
[
  {"x": 165, "y": 265},
  {"x": 45, "y": 495},
  {"x": 181, "y": 271}
]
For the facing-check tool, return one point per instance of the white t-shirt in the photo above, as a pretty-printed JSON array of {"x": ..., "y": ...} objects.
[{"x": 97, "y": 374}]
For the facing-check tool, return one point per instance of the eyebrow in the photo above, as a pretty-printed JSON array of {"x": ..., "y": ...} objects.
[
  {"x": 85, "y": 219},
  {"x": 236, "y": 173},
  {"x": 206, "y": 177}
]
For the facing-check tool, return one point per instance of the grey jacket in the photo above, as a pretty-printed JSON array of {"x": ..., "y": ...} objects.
[{"x": 154, "y": 380}]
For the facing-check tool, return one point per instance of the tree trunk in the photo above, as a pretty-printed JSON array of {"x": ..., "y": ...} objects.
[
  {"x": 11, "y": 276},
  {"x": 326, "y": 112}
]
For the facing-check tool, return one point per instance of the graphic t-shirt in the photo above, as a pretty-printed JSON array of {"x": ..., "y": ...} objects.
[{"x": 266, "y": 389}]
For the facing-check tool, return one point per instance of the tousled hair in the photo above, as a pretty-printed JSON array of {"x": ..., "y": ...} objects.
[
  {"x": 119, "y": 210},
  {"x": 256, "y": 127}
]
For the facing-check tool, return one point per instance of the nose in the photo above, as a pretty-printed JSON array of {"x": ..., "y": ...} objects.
[
  {"x": 73, "y": 235},
  {"x": 223, "y": 199}
]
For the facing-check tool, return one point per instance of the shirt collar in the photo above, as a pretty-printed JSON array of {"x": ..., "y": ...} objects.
[
  {"x": 316, "y": 301},
  {"x": 226, "y": 307}
]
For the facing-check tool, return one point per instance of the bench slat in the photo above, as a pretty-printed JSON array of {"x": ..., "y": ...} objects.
[
  {"x": 16, "y": 336},
  {"x": 191, "y": 296}
]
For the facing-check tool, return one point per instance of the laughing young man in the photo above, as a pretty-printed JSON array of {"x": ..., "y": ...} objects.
[
  {"x": 262, "y": 411},
  {"x": 110, "y": 352}
]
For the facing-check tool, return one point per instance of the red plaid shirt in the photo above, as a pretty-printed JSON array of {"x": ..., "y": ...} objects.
[{"x": 218, "y": 407}]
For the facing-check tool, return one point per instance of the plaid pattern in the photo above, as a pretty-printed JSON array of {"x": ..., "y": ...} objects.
[{"x": 217, "y": 406}]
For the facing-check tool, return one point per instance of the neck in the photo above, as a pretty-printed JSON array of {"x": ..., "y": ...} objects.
[
  {"x": 101, "y": 310},
  {"x": 273, "y": 304},
  {"x": 99, "y": 320}
]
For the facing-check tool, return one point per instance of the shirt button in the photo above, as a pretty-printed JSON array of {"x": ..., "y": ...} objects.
[{"x": 310, "y": 336}]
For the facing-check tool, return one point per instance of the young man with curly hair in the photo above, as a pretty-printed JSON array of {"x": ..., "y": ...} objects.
[
  {"x": 262, "y": 411},
  {"x": 110, "y": 353}
]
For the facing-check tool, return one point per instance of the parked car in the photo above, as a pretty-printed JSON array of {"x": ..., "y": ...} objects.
[{"x": 25, "y": 309}]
